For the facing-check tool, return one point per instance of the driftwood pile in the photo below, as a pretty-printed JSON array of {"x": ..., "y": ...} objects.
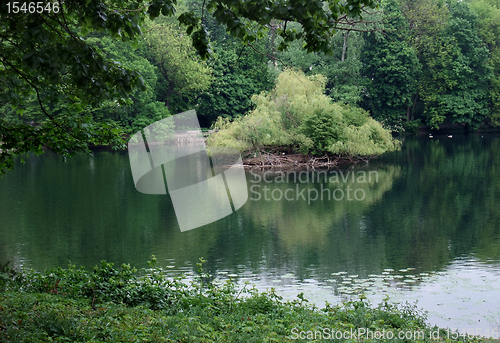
[{"x": 283, "y": 160}]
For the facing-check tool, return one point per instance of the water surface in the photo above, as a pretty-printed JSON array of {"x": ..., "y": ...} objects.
[{"x": 423, "y": 224}]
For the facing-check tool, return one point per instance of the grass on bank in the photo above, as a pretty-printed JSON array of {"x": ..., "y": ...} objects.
[{"x": 109, "y": 304}]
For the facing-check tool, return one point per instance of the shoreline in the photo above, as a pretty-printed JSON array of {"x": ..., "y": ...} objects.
[
  {"x": 295, "y": 161},
  {"x": 125, "y": 304}
]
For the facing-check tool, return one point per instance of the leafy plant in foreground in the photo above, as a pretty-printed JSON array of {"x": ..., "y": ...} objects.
[{"x": 109, "y": 304}]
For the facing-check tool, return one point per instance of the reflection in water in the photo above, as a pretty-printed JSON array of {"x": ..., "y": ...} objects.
[
  {"x": 313, "y": 211},
  {"x": 433, "y": 206}
]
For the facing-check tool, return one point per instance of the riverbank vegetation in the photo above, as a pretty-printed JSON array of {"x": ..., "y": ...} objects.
[
  {"x": 430, "y": 63},
  {"x": 111, "y": 304},
  {"x": 410, "y": 65}
]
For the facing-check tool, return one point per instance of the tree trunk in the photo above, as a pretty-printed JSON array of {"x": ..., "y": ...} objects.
[
  {"x": 168, "y": 94},
  {"x": 411, "y": 114},
  {"x": 344, "y": 48}
]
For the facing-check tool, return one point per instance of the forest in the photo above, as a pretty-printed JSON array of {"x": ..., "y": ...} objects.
[{"x": 409, "y": 64}]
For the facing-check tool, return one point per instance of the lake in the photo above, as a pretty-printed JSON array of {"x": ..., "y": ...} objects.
[{"x": 422, "y": 223}]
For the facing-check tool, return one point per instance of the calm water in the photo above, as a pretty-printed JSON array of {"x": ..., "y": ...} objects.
[{"x": 419, "y": 224}]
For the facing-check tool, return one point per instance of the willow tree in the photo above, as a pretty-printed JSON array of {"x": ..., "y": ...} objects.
[{"x": 297, "y": 116}]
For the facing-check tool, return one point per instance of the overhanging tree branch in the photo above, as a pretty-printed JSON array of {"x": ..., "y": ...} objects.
[{"x": 264, "y": 54}]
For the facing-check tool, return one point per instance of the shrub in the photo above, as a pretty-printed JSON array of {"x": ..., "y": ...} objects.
[
  {"x": 324, "y": 128},
  {"x": 412, "y": 126},
  {"x": 297, "y": 115}
]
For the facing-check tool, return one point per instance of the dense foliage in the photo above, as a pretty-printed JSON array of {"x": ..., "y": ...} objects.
[
  {"x": 297, "y": 116},
  {"x": 94, "y": 71},
  {"x": 111, "y": 304},
  {"x": 45, "y": 59},
  {"x": 419, "y": 63},
  {"x": 390, "y": 68}
]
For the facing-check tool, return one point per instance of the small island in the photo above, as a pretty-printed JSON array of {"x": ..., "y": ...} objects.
[{"x": 296, "y": 124}]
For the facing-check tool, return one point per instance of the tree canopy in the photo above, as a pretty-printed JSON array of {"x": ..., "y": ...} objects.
[
  {"x": 89, "y": 72},
  {"x": 45, "y": 57}
]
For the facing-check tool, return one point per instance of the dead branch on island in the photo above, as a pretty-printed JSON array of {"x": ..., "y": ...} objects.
[{"x": 281, "y": 160}]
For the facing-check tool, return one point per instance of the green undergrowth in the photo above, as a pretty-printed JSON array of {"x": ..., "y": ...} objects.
[{"x": 109, "y": 304}]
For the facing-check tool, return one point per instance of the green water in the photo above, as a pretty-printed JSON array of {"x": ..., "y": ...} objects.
[{"x": 432, "y": 207}]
